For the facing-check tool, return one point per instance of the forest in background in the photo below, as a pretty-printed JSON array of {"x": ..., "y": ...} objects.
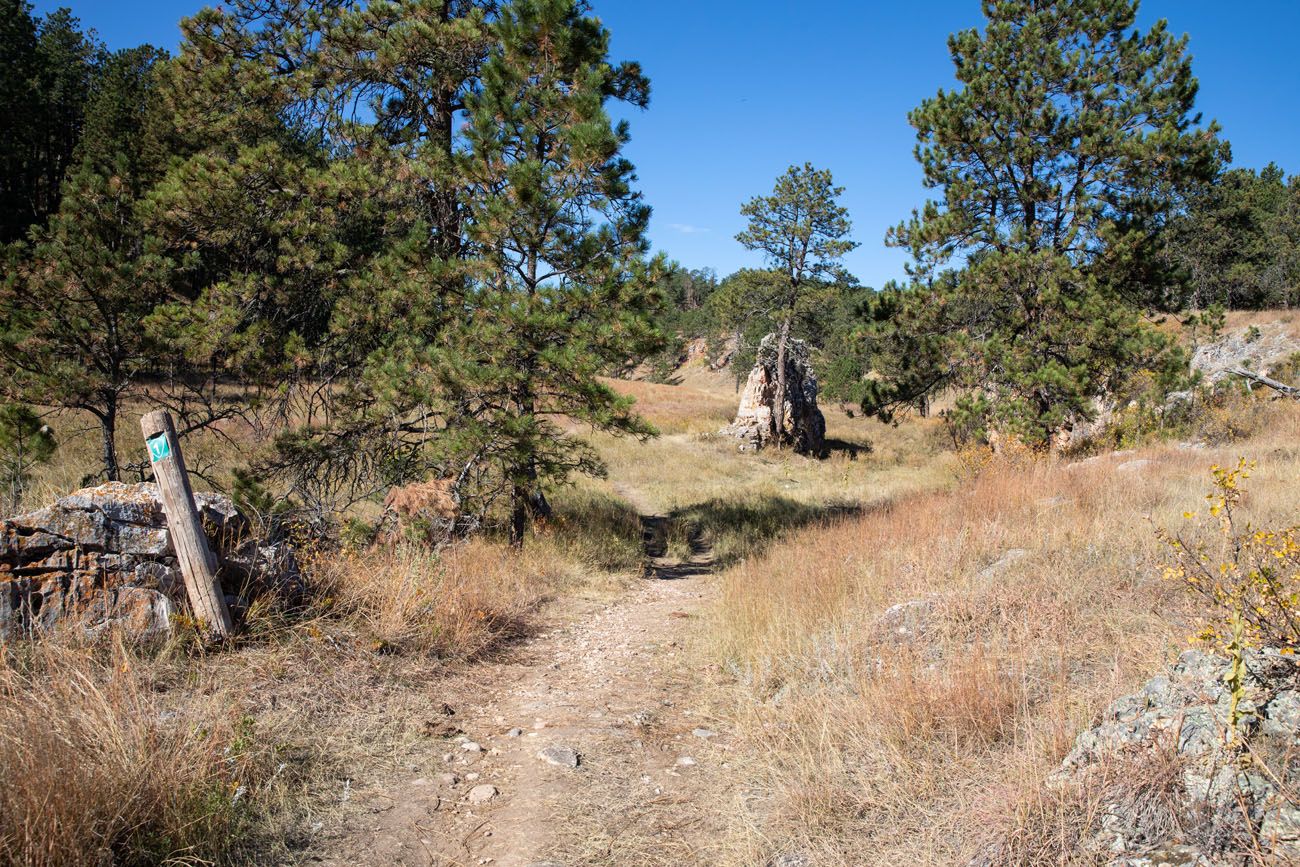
[{"x": 399, "y": 240}]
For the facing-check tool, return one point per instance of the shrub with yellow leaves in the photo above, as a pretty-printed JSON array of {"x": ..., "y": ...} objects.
[{"x": 1250, "y": 577}]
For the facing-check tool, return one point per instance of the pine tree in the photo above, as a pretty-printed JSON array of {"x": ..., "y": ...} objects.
[
  {"x": 19, "y": 98},
  {"x": 803, "y": 232},
  {"x": 1235, "y": 242},
  {"x": 69, "y": 60},
  {"x": 46, "y": 65},
  {"x": 1069, "y": 143},
  {"x": 25, "y": 443},
  {"x": 75, "y": 309},
  {"x": 560, "y": 293},
  {"x": 322, "y": 208}
]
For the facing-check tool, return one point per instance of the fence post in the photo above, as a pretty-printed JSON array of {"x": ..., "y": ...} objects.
[{"x": 198, "y": 566}]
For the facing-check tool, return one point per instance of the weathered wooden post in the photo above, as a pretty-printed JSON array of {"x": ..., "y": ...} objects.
[{"x": 198, "y": 566}]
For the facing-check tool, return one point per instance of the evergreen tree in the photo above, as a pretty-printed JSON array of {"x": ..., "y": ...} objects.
[
  {"x": 19, "y": 98},
  {"x": 803, "y": 232},
  {"x": 68, "y": 62},
  {"x": 45, "y": 71},
  {"x": 1236, "y": 241},
  {"x": 323, "y": 207},
  {"x": 25, "y": 443},
  {"x": 560, "y": 291},
  {"x": 76, "y": 310},
  {"x": 1069, "y": 143}
]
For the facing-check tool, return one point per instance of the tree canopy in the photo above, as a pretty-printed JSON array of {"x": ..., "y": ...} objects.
[{"x": 1069, "y": 144}]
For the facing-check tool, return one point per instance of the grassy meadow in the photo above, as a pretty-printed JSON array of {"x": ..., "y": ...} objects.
[{"x": 1027, "y": 592}]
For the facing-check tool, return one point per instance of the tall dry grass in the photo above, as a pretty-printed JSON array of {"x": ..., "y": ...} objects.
[
  {"x": 1028, "y": 599},
  {"x": 100, "y": 765},
  {"x": 456, "y": 603}
]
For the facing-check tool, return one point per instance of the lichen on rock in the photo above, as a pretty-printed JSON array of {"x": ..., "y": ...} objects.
[
  {"x": 1164, "y": 782},
  {"x": 102, "y": 557}
]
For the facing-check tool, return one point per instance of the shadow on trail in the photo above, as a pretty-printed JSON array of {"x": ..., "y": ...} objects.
[{"x": 720, "y": 532}]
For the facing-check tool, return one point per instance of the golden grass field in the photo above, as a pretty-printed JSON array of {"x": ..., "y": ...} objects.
[{"x": 854, "y": 745}]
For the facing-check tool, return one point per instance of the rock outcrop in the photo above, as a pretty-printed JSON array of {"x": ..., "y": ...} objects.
[
  {"x": 103, "y": 557},
  {"x": 805, "y": 426},
  {"x": 1169, "y": 788},
  {"x": 1258, "y": 348}
]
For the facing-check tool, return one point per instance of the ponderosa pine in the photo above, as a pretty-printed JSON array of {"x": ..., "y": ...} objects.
[
  {"x": 1070, "y": 141},
  {"x": 560, "y": 292},
  {"x": 803, "y": 233}
]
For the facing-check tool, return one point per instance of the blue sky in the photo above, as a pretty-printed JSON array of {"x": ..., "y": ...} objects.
[{"x": 744, "y": 88}]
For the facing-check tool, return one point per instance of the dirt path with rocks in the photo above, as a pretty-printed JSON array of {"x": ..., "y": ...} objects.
[{"x": 588, "y": 731}]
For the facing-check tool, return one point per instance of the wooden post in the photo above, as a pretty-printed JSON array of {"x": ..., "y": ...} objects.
[{"x": 198, "y": 566}]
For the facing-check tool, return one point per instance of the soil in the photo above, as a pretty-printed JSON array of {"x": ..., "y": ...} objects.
[{"x": 608, "y": 681}]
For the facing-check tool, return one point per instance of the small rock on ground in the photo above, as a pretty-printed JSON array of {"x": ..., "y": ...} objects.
[
  {"x": 790, "y": 859},
  {"x": 482, "y": 794},
  {"x": 558, "y": 754}
]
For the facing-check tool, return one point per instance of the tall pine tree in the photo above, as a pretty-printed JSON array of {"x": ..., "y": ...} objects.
[
  {"x": 560, "y": 292},
  {"x": 75, "y": 312},
  {"x": 1068, "y": 144}
]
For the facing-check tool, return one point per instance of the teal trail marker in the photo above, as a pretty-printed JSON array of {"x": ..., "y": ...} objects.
[{"x": 159, "y": 447}]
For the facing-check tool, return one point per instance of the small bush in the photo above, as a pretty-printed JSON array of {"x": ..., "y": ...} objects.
[{"x": 1249, "y": 578}]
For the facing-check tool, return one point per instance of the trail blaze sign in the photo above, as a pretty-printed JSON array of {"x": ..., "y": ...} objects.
[{"x": 159, "y": 447}]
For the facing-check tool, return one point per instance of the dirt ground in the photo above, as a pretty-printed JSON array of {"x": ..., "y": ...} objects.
[{"x": 604, "y": 685}]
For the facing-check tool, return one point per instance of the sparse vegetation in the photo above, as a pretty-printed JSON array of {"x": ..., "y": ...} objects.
[{"x": 388, "y": 264}]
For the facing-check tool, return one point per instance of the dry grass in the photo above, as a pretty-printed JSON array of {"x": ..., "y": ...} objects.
[
  {"x": 870, "y": 746},
  {"x": 151, "y": 755},
  {"x": 870, "y": 461},
  {"x": 702, "y": 405},
  {"x": 99, "y": 765},
  {"x": 457, "y": 603}
]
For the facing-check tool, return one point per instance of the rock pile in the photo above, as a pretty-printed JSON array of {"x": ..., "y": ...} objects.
[
  {"x": 103, "y": 557},
  {"x": 1170, "y": 789},
  {"x": 805, "y": 426}
]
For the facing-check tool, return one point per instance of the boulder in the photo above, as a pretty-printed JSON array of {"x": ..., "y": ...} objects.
[
  {"x": 805, "y": 426},
  {"x": 1170, "y": 787},
  {"x": 103, "y": 557}
]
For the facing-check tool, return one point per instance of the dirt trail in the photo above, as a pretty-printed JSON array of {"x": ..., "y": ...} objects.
[{"x": 608, "y": 683}]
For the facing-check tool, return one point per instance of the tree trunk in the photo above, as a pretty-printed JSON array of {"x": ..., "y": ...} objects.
[
  {"x": 445, "y": 204},
  {"x": 527, "y": 503},
  {"x": 518, "y": 516},
  {"x": 539, "y": 509},
  {"x": 108, "y": 430},
  {"x": 778, "y": 399}
]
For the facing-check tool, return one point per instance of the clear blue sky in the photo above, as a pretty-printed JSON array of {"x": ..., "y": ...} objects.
[{"x": 744, "y": 88}]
